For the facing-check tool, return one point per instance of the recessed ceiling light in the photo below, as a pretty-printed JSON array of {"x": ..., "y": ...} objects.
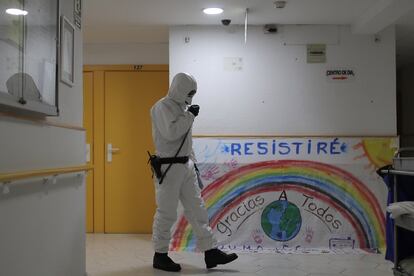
[
  {"x": 16, "y": 12},
  {"x": 213, "y": 11}
]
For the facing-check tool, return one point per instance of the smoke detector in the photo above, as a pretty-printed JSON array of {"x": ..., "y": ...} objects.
[{"x": 279, "y": 4}]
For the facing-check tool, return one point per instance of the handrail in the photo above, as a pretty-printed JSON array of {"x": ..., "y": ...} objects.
[
  {"x": 399, "y": 172},
  {"x": 9, "y": 177},
  {"x": 403, "y": 150},
  {"x": 41, "y": 121}
]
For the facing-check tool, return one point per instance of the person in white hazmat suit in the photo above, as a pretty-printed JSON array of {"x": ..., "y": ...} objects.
[{"x": 172, "y": 120}]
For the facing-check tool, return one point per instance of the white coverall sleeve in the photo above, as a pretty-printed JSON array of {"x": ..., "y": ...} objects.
[{"x": 172, "y": 126}]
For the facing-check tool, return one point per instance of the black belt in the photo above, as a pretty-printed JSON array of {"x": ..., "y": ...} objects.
[{"x": 174, "y": 160}]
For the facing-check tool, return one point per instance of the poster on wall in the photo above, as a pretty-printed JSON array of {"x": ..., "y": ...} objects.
[{"x": 292, "y": 195}]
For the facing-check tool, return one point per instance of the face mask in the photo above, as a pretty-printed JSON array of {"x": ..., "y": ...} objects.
[{"x": 190, "y": 96}]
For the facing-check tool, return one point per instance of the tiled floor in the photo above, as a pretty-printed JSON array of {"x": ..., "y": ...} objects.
[{"x": 130, "y": 255}]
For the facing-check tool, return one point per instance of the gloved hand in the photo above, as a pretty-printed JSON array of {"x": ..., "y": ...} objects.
[{"x": 195, "y": 108}]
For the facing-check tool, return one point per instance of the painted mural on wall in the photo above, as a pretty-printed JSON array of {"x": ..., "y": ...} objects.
[{"x": 292, "y": 195}]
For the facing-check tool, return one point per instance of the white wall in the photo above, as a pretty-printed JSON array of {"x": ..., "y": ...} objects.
[
  {"x": 277, "y": 92},
  {"x": 42, "y": 229},
  {"x": 126, "y": 53}
]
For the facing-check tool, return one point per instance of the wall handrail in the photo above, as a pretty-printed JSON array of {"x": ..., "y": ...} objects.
[
  {"x": 398, "y": 172},
  {"x": 14, "y": 176},
  {"x": 40, "y": 121}
]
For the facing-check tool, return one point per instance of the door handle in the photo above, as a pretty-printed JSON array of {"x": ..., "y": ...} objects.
[{"x": 110, "y": 151}]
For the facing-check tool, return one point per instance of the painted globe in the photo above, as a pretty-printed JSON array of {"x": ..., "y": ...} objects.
[{"x": 281, "y": 220}]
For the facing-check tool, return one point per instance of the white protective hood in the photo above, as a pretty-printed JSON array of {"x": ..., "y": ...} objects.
[{"x": 181, "y": 85}]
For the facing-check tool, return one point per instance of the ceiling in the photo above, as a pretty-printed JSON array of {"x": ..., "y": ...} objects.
[
  {"x": 181, "y": 12},
  {"x": 147, "y": 21}
]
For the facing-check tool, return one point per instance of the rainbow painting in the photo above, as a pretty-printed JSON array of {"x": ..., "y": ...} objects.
[{"x": 335, "y": 186}]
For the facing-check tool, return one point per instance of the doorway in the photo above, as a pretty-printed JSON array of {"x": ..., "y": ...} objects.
[{"x": 121, "y": 193}]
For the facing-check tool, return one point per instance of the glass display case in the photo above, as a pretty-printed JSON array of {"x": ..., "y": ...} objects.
[{"x": 29, "y": 32}]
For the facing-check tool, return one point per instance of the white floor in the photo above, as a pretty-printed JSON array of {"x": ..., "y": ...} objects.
[{"x": 130, "y": 255}]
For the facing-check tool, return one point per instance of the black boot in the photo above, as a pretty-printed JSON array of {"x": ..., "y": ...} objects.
[
  {"x": 163, "y": 262},
  {"x": 214, "y": 257}
]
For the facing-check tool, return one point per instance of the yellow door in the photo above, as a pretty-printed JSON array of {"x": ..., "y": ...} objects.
[
  {"x": 88, "y": 125},
  {"x": 129, "y": 191}
]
